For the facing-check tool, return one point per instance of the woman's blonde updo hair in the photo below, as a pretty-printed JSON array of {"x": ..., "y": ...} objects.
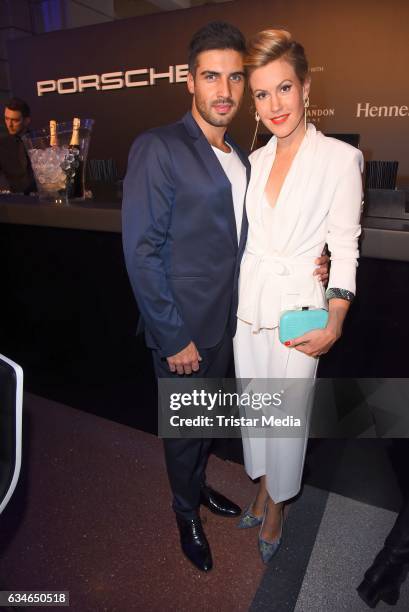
[{"x": 270, "y": 45}]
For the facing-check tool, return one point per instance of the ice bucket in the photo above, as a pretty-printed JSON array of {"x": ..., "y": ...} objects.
[{"x": 58, "y": 165}]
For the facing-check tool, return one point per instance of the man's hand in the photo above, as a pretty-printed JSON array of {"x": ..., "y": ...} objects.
[
  {"x": 186, "y": 361},
  {"x": 322, "y": 270}
]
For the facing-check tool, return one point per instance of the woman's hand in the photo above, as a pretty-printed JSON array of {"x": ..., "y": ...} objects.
[
  {"x": 318, "y": 341},
  {"x": 314, "y": 343}
]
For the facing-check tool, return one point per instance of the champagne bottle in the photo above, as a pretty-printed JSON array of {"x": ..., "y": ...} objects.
[
  {"x": 76, "y": 189},
  {"x": 75, "y": 136},
  {"x": 53, "y": 133}
]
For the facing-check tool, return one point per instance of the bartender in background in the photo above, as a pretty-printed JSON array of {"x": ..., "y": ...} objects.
[{"x": 14, "y": 162}]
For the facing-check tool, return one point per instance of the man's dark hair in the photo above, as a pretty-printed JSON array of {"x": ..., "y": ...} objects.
[
  {"x": 215, "y": 35},
  {"x": 17, "y": 104}
]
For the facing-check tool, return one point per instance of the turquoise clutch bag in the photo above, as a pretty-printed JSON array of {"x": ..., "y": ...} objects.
[{"x": 295, "y": 323}]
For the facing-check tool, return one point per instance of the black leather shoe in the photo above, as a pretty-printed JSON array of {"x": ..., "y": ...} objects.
[
  {"x": 194, "y": 543},
  {"x": 218, "y": 503},
  {"x": 382, "y": 582}
]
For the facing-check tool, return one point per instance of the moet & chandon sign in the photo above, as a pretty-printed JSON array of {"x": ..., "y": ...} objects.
[
  {"x": 315, "y": 114},
  {"x": 142, "y": 77}
]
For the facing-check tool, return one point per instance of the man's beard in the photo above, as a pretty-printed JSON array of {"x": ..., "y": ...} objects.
[{"x": 214, "y": 119}]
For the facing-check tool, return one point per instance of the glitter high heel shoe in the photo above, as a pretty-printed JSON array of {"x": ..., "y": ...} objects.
[
  {"x": 248, "y": 519},
  {"x": 269, "y": 549}
]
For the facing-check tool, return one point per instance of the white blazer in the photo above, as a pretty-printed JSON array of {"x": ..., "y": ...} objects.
[{"x": 320, "y": 201}]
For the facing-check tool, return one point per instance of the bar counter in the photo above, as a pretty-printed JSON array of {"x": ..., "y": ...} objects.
[
  {"x": 88, "y": 215},
  {"x": 67, "y": 311},
  {"x": 382, "y": 237}
]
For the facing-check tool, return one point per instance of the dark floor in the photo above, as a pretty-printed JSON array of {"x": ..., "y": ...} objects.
[{"x": 91, "y": 515}]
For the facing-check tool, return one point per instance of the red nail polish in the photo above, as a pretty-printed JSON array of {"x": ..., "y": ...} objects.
[{"x": 287, "y": 343}]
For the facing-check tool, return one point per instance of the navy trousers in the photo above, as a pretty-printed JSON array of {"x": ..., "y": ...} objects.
[{"x": 186, "y": 459}]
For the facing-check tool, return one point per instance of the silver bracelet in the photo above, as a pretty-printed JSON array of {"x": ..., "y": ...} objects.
[{"x": 340, "y": 294}]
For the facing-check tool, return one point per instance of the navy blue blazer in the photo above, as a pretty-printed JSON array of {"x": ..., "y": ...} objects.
[{"x": 180, "y": 237}]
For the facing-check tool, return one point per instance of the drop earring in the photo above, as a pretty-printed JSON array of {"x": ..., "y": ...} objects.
[
  {"x": 257, "y": 118},
  {"x": 306, "y": 105}
]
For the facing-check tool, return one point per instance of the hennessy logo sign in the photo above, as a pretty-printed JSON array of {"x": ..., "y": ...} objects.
[
  {"x": 367, "y": 110},
  {"x": 143, "y": 77}
]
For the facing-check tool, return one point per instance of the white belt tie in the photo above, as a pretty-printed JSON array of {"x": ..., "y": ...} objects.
[{"x": 280, "y": 267}]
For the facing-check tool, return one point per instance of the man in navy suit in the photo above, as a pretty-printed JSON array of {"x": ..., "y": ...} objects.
[
  {"x": 183, "y": 233},
  {"x": 184, "y": 230}
]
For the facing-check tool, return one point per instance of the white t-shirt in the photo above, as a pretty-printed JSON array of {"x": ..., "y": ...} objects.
[{"x": 236, "y": 173}]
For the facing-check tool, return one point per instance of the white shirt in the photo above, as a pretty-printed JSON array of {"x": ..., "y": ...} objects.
[
  {"x": 319, "y": 202},
  {"x": 236, "y": 173}
]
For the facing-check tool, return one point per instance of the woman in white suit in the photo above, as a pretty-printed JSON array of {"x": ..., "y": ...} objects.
[{"x": 305, "y": 191}]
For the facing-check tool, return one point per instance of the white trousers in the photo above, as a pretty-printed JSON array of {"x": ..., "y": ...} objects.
[{"x": 262, "y": 356}]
